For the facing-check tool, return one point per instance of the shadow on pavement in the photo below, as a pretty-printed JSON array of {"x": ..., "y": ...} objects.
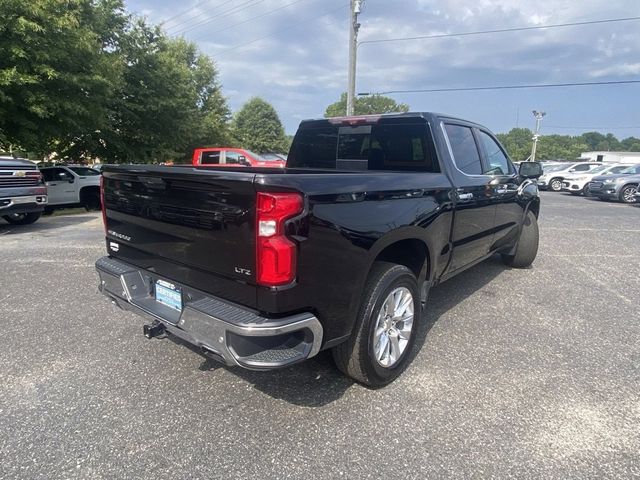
[
  {"x": 317, "y": 382},
  {"x": 47, "y": 223}
]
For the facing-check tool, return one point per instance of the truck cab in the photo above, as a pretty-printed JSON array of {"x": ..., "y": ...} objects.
[
  {"x": 72, "y": 186},
  {"x": 236, "y": 157}
]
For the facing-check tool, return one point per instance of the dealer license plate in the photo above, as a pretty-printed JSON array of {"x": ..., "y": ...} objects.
[{"x": 169, "y": 295}]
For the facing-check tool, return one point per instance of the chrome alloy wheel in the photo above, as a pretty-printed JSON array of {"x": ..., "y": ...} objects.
[
  {"x": 629, "y": 194},
  {"x": 393, "y": 328}
]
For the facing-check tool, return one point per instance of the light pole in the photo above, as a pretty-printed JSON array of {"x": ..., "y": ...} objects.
[
  {"x": 354, "y": 26},
  {"x": 538, "y": 116}
]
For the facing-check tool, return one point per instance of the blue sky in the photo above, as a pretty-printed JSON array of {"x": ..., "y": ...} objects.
[{"x": 295, "y": 56}]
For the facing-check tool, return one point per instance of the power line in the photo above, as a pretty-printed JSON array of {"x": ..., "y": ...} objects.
[
  {"x": 501, "y": 30},
  {"x": 227, "y": 13},
  {"x": 189, "y": 10},
  {"x": 235, "y": 47},
  {"x": 503, "y": 87},
  {"x": 594, "y": 128},
  {"x": 192, "y": 9},
  {"x": 255, "y": 18}
]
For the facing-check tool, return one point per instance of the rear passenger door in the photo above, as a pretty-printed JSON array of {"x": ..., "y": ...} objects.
[{"x": 475, "y": 209}]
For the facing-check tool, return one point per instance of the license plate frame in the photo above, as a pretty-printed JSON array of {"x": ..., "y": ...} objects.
[{"x": 168, "y": 295}]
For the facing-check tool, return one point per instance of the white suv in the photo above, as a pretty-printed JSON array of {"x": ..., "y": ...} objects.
[
  {"x": 553, "y": 175},
  {"x": 577, "y": 183},
  {"x": 72, "y": 186}
]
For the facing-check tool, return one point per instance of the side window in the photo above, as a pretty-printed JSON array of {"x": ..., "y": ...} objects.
[
  {"x": 47, "y": 174},
  {"x": 231, "y": 158},
  {"x": 210, "y": 158},
  {"x": 497, "y": 160},
  {"x": 465, "y": 151},
  {"x": 582, "y": 168},
  {"x": 636, "y": 169}
]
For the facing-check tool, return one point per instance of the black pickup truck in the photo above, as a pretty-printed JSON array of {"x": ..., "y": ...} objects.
[
  {"x": 23, "y": 193},
  {"x": 263, "y": 268}
]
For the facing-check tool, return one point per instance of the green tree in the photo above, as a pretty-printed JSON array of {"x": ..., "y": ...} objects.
[
  {"x": 167, "y": 101},
  {"x": 551, "y": 147},
  {"x": 369, "y": 105},
  {"x": 258, "y": 127},
  {"x": 55, "y": 68},
  {"x": 517, "y": 142}
]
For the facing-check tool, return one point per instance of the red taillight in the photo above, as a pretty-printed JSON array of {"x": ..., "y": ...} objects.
[
  {"x": 275, "y": 253},
  {"x": 104, "y": 210}
]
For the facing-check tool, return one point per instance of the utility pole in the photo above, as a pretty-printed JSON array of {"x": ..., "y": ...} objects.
[
  {"x": 538, "y": 116},
  {"x": 354, "y": 26}
]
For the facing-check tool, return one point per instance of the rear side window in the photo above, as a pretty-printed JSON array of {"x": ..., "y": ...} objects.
[
  {"x": 582, "y": 168},
  {"x": 384, "y": 146},
  {"x": 210, "y": 158},
  {"x": 464, "y": 149}
]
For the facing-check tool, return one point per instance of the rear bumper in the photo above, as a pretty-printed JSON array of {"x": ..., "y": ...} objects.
[{"x": 229, "y": 333}]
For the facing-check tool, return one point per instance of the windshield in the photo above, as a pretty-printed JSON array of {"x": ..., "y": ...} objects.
[
  {"x": 555, "y": 168},
  {"x": 631, "y": 169},
  {"x": 271, "y": 156},
  {"x": 618, "y": 169},
  {"x": 84, "y": 171},
  {"x": 260, "y": 158},
  {"x": 599, "y": 169}
]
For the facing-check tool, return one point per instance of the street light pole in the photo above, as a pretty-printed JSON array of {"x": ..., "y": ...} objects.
[
  {"x": 538, "y": 116},
  {"x": 354, "y": 26}
]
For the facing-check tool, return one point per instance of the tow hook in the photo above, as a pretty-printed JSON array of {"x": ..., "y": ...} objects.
[{"x": 154, "y": 330}]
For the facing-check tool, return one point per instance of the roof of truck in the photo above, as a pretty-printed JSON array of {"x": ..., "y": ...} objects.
[
  {"x": 15, "y": 162},
  {"x": 354, "y": 119}
]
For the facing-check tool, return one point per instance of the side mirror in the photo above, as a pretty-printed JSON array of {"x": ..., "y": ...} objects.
[
  {"x": 530, "y": 169},
  {"x": 71, "y": 180},
  {"x": 242, "y": 160}
]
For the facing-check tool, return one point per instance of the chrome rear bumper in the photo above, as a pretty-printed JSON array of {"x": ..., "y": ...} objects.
[{"x": 237, "y": 335}]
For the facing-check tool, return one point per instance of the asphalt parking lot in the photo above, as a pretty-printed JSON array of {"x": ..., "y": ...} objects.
[{"x": 523, "y": 373}]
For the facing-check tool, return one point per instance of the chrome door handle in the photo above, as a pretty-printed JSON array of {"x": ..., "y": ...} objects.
[{"x": 465, "y": 196}]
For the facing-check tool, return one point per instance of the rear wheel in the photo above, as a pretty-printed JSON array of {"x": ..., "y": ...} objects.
[
  {"x": 379, "y": 348},
  {"x": 628, "y": 194},
  {"x": 22, "y": 218},
  {"x": 527, "y": 247},
  {"x": 555, "y": 184}
]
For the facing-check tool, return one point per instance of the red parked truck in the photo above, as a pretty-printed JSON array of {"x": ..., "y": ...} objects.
[{"x": 221, "y": 156}]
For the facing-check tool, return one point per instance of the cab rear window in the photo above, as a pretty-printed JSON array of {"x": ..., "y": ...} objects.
[{"x": 364, "y": 147}]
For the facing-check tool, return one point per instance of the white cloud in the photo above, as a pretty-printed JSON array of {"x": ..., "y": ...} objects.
[{"x": 300, "y": 64}]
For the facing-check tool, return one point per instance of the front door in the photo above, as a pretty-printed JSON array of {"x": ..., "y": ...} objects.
[
  {"x": 474, "y": 216},
  {"x": 504, "y": 190},
  {"x": 60, "y": 190}
]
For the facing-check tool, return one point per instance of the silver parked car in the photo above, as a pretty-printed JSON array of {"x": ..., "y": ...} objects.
[{"x": 621, "y": 187}]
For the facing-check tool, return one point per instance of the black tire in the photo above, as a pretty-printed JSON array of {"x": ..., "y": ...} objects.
[
  {"x": 22, "y": 218},
  {"x": 555, "y": 184},
  {"x": 585, "y": 190},
  {"x": 627, "y": 194},
  {"x": 355, "y": 357},
  {"x": 527, "y": 247},
  {"x": 91, "y": 200}
]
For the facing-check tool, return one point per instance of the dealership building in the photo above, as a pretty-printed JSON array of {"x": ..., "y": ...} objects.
[{"x": 611, "y": 157}]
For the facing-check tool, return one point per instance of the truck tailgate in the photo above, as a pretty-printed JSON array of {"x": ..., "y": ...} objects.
[{"x": 185, "y": 224}]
